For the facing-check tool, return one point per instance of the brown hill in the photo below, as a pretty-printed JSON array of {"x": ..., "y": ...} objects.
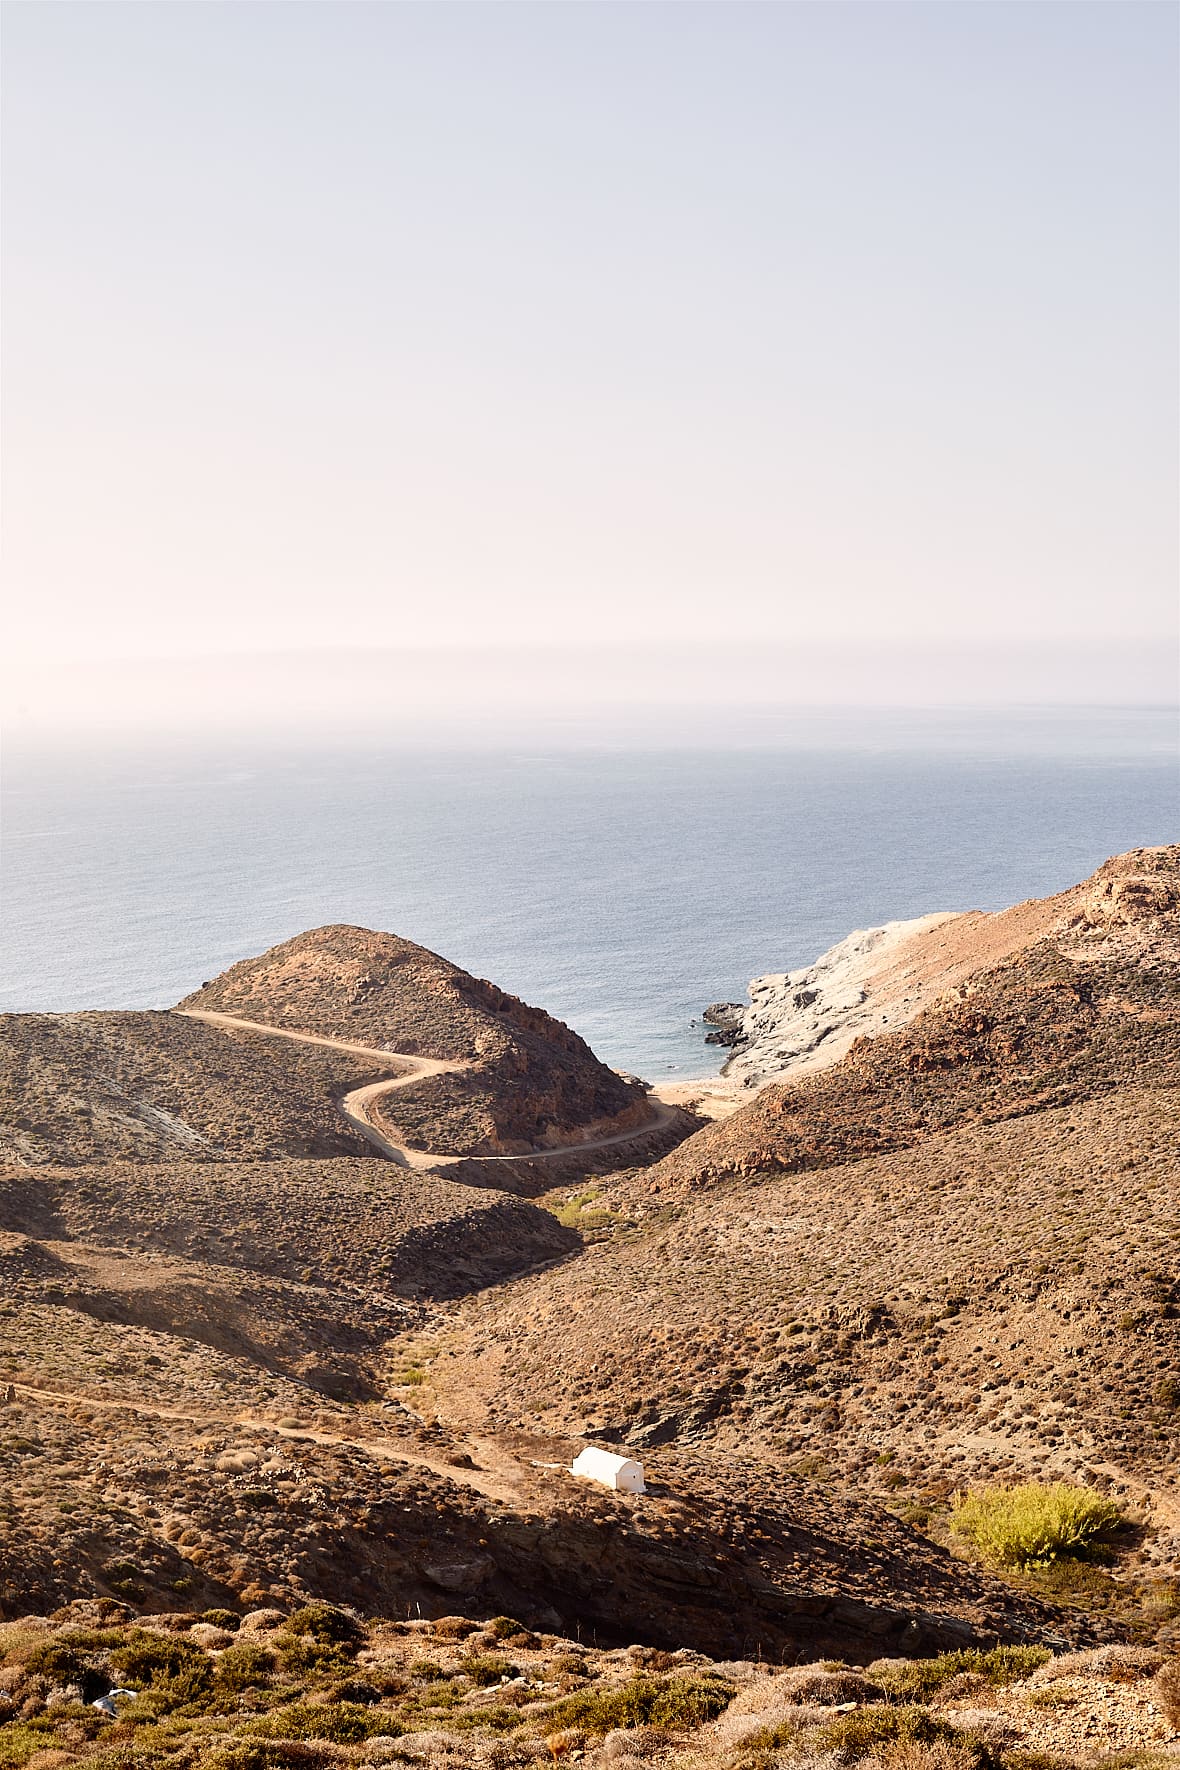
[
  {"x": 1000, "y": 1302},
  {"x": 220, "y": 1397},
  {"x": 531, "y": 1079},
  {"x": 160, "y": 1087},
  {"x": 949, "y": 1258},
  {"x": 247, "y": 1369},
  {"x": 1079, "y": 1012}
]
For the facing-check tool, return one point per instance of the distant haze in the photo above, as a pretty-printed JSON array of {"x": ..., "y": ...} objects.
[
  {"x": 721, "y": 695},
  {"x": 687, "y": 354}
]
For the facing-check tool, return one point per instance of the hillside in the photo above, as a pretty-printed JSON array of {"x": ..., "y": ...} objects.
[
  {"x": 320, "y": 1686},
  {"x": 962, "y": 1312},
  {"x": 948, "y": 1258},
  {"x": 221, "y": 1395},
  {"x": 531, "y": 1081},
  {"x": 159, "y": 1087},
  {"x": 252, "y": 1365},
  {"x": 1080, "y": 1011}
]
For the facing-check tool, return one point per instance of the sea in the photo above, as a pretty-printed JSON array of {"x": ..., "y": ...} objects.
[{"x": 623, "y": 885}]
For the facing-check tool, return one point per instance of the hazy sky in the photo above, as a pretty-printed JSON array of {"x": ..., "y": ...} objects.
[{"x": 358, "y": 324}]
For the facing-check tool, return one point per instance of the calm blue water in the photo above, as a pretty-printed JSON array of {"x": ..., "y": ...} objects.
[{"x": 621, "y": 889}]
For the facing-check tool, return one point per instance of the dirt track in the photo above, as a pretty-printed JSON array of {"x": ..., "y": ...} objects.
[
  {"x": 355, "y": 1107},
  {"x": 496, "y": 1485}
]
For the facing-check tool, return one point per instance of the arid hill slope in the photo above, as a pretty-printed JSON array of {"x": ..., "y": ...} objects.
[
  {"x": 949, "y": 1258},
  {"x": 876, "y": 980},
  {"x": 999, "y": 1302},
  {"x": 219, "y": 1399},
  {"x": 249, "y": 1368},
  {"x": 531, "y": 1081},
  {"x": 1089, "y": 1008},
  {"x": 160, "y": 1087}
]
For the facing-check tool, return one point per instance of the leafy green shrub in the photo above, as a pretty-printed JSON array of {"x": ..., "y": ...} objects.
[
  {"x": 427, "y": 1671},
  {"x": 504, "y": 1626},
  {"x": 143, "y": 1658},
  {"x": 851, "y": 1738},
  {"x": 69, "y": 1656},
  {"x": 344, "y": 1723},
  {"x": 1035, "y": 1524},
  {"x": 487, "y": 1668},
  {"x": 920, "y": 1678},
  {"x": 325, "y": 1624},
  {"x": 644, "y": 1702},
  {"x": 20, "y": 1739},
  {"x": 318, "y": 1640},
  {"x": 243, "y": 1666},
  {"x": 266, "y": 1754},
  {"x": 222, "y": 1619}
]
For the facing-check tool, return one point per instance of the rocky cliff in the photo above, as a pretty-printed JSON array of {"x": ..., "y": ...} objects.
[{"x": 877, "y": 980}]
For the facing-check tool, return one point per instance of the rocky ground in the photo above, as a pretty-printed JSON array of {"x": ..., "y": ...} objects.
[
  {"x": 159, "y": 1087},
  {"x": 318, "y": 1686},
  {"x": 249, "y": 1365},
  {"x": 531, "y": 1077},
  {"x": 879, "y": 979}
]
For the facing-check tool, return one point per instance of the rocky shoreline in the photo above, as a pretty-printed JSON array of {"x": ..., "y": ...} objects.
[{"x": 792, "y": 1014}]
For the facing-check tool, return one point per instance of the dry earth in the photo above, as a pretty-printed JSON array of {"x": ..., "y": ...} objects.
[
  {"x": 531, "y": 1079},
  {"x": 252, "y": 1363}
]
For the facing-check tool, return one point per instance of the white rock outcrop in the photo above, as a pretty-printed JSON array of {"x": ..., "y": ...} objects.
[{"x": 804, "y": 1020}]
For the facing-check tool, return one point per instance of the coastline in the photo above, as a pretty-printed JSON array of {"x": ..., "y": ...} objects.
[{"x": 712, "y": 1097}]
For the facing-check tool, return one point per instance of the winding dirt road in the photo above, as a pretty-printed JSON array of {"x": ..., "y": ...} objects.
[
  {"x": 355, "y": 1107},
  {"x": 501, "y": 1482}
]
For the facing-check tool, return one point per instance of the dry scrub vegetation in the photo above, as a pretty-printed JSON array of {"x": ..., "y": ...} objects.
[
  {"x": 320, "y": 1687},
  {"x": 899, "y": 1348}
]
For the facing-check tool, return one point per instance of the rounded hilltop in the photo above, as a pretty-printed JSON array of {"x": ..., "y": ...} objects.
[{"x": 527, "y": 1079}]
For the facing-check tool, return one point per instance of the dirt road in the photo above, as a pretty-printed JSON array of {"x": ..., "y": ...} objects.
[
  {"x": 356, "y": 1106},
  {"x": 501, "y": 1483}
]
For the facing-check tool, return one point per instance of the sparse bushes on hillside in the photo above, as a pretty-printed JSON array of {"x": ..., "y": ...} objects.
[
  {"x": 1037, "y": 1523},
  {"x": 645, "y": 1702},
  {"x": 485, "y": 1669},
  {"x": 857, "y": 1737},
  {"x": 1167, "y": 1690},
  {"x": 917, "y": 1679}
]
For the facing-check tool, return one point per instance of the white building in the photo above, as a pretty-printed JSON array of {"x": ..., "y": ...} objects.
[{"x": 622, "y": 1473}]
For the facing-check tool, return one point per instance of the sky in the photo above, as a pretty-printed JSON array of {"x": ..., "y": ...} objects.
[{"x": 763, "y": 330}]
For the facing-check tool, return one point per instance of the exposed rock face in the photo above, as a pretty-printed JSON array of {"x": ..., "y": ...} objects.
[
  {"x": 809, "y": 1018},
  {"x": 1084, "y": 999},
  {"x": 877, "y": 980}
]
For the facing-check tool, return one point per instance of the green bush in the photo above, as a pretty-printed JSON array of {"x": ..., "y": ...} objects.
[
  {"x": 243, "y": 1666},
  {"x": 318, "y": 1640},
  {"x": 68, "y": 1656},
  {"x": 1035, "y": 1524},
  {"x": 222, "y": 1619},
  {"x": 920, "y": 1678},
  {"x": 485, "y": 1669},
  {"x": 143, "y": 1657},
  {"x": 504, "y": 1626},
  {"x": 20, "y": 1739},
  {"x": 325, "y": 1624},
  {"x": 266, "y": 1754},
  {"x": 851, "y": 1738},
  {"x": 644, "y": 1702},
  {"x": 344, "y": 1723}
]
